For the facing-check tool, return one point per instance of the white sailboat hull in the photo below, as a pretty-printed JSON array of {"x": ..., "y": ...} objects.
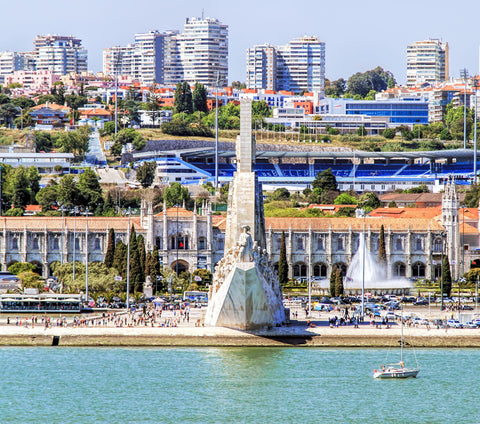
[{"x": 396, "y": 373}]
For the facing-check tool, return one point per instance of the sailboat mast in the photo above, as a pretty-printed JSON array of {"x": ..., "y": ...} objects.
[{"x": 401, "y": 338}]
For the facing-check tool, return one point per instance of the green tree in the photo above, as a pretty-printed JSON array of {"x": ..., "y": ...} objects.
[
  {"x": 333, "y": 277},
  {"x": 282, "y": 262},
  {"x": 325, "y": 181},
  {"x": 146, "y": 173},
  {"x": 345, "y": 199},
  {"x": 376, "y": 79},
  {"x": 335, "y": 88},
  {"x": 338, "y": 283},
  {"x": 89, "y": 190},
  {"x": 67, "y": 191},
  {"x": 20, "y": 188},
  {"x": 361, "y": 131},
  {"x": 141, "y": 255},
  {"x": 472, "y": 197},
  {"x": 110, "y": 253},
  {"x": 199, "y": 98},
  {"x": 120, "y": 259},
  {"x": 19, "y": 267},
  {"x": 205, "y": 275},
  {"x": 183, "y": 98},
  {"x": 382, "y": 254},
  {"x": 389, "y": 133},
  {"x": 176, "y": 194},
  {"x": 280, "y": 194},
  {"x": 447, "y": 276},
  {"x": 261, "y": 110},
  {"x": 369, "y": 201},
  {"x": 48, "y": 196}
]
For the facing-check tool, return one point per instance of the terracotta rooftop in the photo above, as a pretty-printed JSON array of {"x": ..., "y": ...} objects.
[
  {"x": 467, "y": 229},
  {"x": 174, "y": 211},
  {"x": 426, "y": 213},
  {"x": 55, "y": 223}
]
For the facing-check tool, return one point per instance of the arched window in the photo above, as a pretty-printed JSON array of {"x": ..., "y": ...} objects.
[
  {"x": 55, "y": 243},
  {"x": 77, "y": 243},
  {"x": 300, "y": 243},
  {"x": 418, "y": 244},
  {"x": 15, "y": 243},
  {"x": 340, "y": 243},
  {"x": 202, "y": 243},
  {"x": 158, "y": 242},
  {"x": 320, "y": 270},
  {"x": 398, "y": 244},
  {"x": 299, "y": 270},
  {"x": 418, "y": 270},
  {"x": 35, "y": 243},
  {"x": 437, "y": 245},
  {"x": 98, "y": 245},
  {"x": 320, "y": 243},
  {"x": 399, "y": 269}
]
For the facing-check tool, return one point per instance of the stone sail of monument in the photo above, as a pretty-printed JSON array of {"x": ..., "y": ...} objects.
[{"x": 245, "y": 293}]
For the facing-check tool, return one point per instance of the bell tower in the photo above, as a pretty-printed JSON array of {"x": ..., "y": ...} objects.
[{"x": 450, "y": 206}]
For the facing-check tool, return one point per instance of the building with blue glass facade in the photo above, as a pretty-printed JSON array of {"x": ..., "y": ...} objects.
[{"x": 400, "y": 112}]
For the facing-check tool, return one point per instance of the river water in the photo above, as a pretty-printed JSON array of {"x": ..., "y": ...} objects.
[{"x": 230, "y": 385}]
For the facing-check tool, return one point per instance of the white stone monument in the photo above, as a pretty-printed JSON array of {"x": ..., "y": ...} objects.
[{"x": 245, "y": 293}]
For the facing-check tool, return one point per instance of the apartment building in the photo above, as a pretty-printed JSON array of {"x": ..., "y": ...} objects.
[
  {"x": 297, "y": 66},
  {"x": 59, "y": 54},
  {"x": 427, "y": 62},
  {"x": 199, "y": 54},
  {"x": 204, "y": 51}
]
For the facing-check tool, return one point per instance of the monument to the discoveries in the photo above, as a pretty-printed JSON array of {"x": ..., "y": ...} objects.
[{"x": 245, "y": 293}]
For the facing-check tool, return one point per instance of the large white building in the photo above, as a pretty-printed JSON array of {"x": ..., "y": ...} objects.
[
  {"x": 198, "y": 54},
  {"x": 297, "y": 66},
  {"x": 427, "y": 62}
]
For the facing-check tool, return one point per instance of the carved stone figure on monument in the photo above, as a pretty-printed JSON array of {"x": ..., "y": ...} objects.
[
  {"x": 246, "y": 244},
  {"x": 148, "y": 281}
]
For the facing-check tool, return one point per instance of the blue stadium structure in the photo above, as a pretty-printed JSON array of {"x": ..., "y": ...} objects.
[{"x": 354, "y": 170}]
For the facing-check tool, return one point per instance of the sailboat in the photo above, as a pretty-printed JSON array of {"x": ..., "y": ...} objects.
[{"x": 397, "y": 370}]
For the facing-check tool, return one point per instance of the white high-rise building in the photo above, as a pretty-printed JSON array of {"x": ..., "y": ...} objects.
[
  {"x": 262, "y": 67},
  {"x": 204, "y": 51},
  {"x": 10, "y": 62},
  {"x": 297, "y": 66},
  {"x": 196, "y": 55},
  {"x": 427, "y": 62},
  {"x": 142, "y": 60},
  {"x": 59, "y": 54}
]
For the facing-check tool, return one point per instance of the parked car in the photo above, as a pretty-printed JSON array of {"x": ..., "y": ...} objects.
[
  {"x": 421, "y": 302},
  {"x": 454, "y": 323}
]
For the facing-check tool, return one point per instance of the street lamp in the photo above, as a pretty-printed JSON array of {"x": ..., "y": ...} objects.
[
  {"x": 441, "y": 270},
  {"x": 128, "y": 260},
  {"x": 86, "y": 255},
  {"x": 464, "y": 75},
  {"x": 74, "y": 239},
  {"x": 216, "y": 134},
  {"x": 475, "y": 85}
]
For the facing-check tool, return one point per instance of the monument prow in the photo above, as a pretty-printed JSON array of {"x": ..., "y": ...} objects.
[{"x": 245, "y": 293}]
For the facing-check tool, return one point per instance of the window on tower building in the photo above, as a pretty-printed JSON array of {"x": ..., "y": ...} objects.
[{"x": 35, "y": 243}]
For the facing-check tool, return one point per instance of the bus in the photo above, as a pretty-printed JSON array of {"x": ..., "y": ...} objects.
[{"x": 196, "y": 296}]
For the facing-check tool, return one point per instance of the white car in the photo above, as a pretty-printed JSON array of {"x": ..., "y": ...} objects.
[{"x": 454, "y": 323}]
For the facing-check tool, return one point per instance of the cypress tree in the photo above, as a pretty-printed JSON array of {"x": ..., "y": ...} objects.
[
  {"x": 120, "y": 259},
  {"x": 338, "y": 283},
  {"x": 333, "y": 276},
  {"x": 136, "y": 271},
  {"x": 382, "y": 254},
  {"x": 110, "y": 253},
  {"x": 282, "y": 262},
  {"x": 148, "y": 265},
  {"x": 141, "y": 254},
  {"x": 157, "y": 269},
  {"x": 447, "y": 276}
]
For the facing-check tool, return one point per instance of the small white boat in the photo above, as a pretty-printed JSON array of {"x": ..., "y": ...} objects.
[{"x": 396, "y": 370}]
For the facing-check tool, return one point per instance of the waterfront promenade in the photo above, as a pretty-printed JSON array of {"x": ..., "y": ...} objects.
[{"x": 173, "y": 330}]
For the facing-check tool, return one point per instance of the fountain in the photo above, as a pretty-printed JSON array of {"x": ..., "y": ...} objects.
[{"x": 365, "y": 268}]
